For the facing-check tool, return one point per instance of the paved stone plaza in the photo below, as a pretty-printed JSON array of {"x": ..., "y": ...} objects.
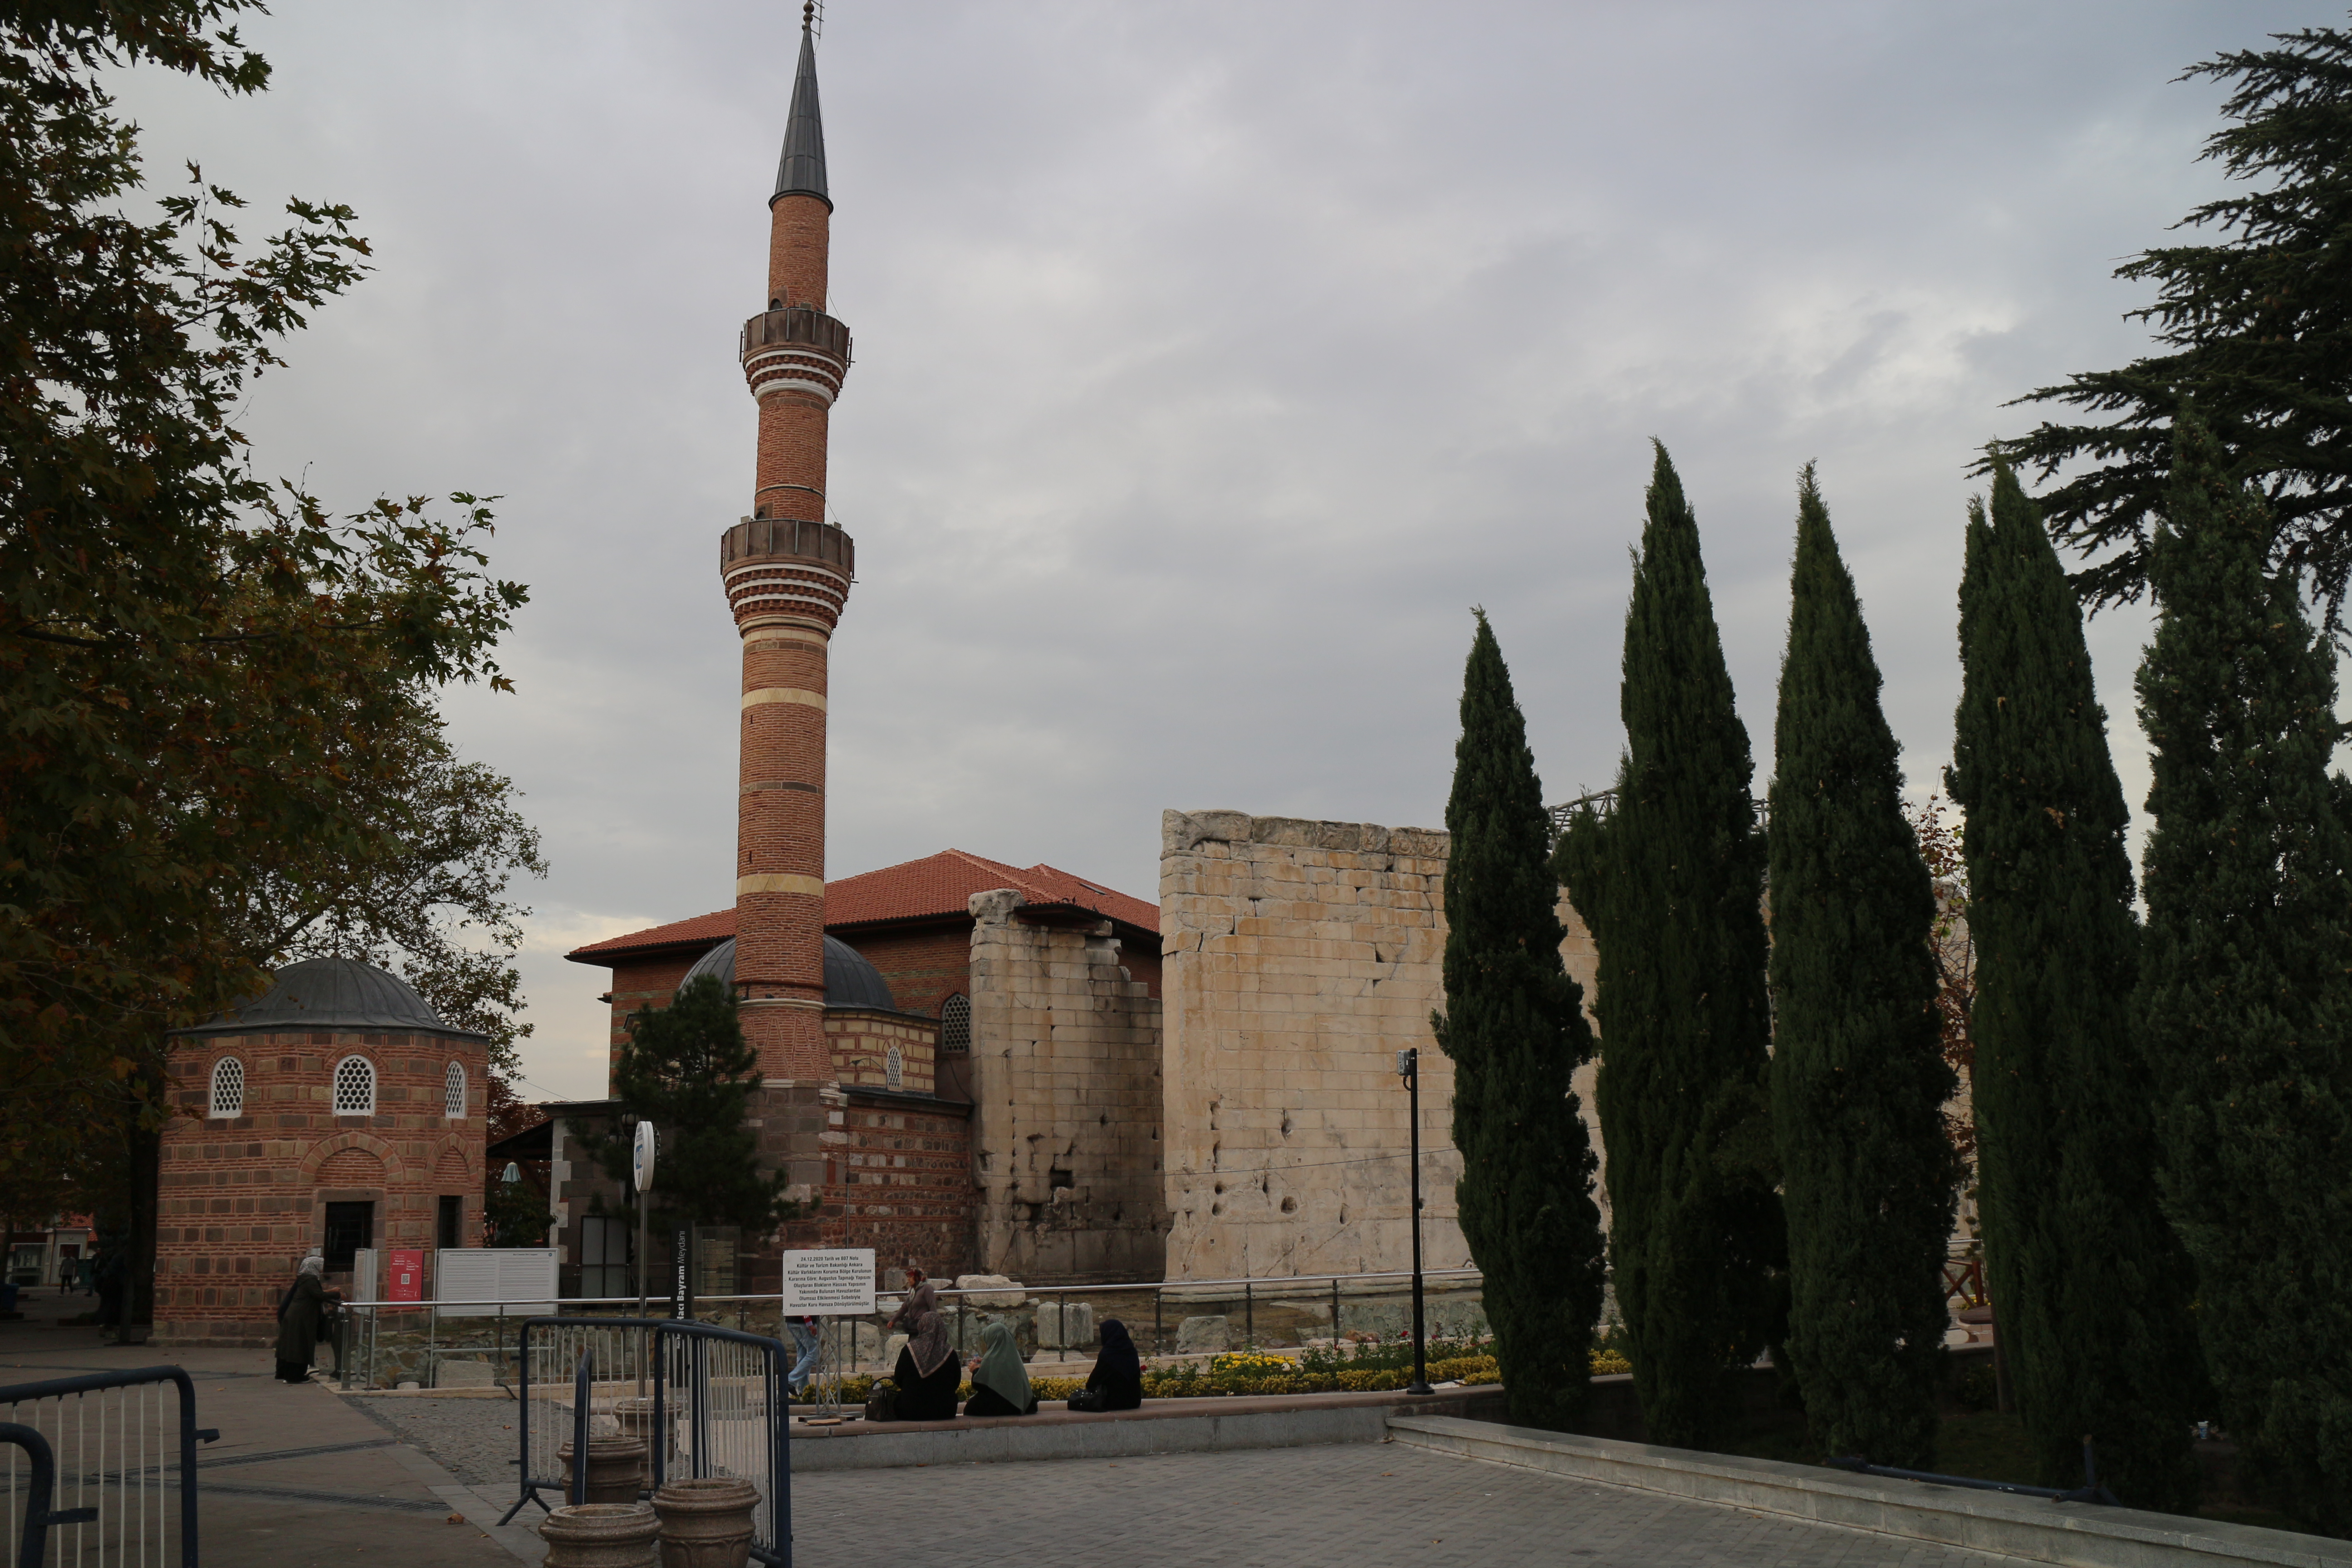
[{"x": 302, "y": 1476}]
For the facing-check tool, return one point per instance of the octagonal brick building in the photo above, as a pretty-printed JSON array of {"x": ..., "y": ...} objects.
[{"x": 337, "y": 1111}]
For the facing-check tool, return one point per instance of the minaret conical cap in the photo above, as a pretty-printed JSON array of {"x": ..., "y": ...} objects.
[{"x": 802, "y": 172}]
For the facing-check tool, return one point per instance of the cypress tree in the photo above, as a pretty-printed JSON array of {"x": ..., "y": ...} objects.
[
  {"x": 2244, "y": 999},
  {"x": 1513, "y": 1026},
  {"x": 1671, "y": 883},
  {"x": 2089, "y": 1283},
  {"x": 1859, "y": 1080}
]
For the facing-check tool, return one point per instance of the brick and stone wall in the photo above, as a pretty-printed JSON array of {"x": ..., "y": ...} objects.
[
  {"x": 863, "y": 1039},
  {"x": 242, "y": 1199},
  {"x": 923, "y": 964},
  {"x": 1300, "y": 957},
  {"x": 1066, "y": 1092}
]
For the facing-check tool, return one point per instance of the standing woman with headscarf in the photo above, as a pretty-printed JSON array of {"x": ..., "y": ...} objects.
[
  {"x": 1000, "y": 1382},
  {"x": 927, "y": 1374},
  {"x": 299, "y": 1312}
]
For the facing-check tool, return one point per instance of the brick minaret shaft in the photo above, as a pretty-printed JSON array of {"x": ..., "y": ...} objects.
[{"x": 787, "y": 573}]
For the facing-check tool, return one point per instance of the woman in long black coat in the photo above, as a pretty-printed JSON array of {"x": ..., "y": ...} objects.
[
  {"x": 927, "y": 1373},
  {"x": 299, "y": 1311}
]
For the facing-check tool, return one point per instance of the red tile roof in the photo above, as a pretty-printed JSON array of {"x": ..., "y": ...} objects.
[
  {"x": 934, "y": 887},
  {"x": 702, "y": 931}
]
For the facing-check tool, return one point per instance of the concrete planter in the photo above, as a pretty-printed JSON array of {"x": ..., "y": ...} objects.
[
  {"x": 706, "y": 1523},
  {"x": 616, "y": 1469},
  {"x": 601, "y": 1535},
  {"x": 635, "y": 1417}
]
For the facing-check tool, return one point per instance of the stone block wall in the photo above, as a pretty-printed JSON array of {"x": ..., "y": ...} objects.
[
  {"x": 1066, "y": 1065},
  {"x": 1300, "y": 957},
  {"x": 243, "y": 1198}
]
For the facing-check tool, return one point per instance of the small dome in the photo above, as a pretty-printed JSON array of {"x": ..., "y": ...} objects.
[
  {"x": 332, "y": 994},
  {"x": 850, "y": 980}
]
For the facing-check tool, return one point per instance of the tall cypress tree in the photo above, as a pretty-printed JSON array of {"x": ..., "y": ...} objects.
[
  {"x": 1859, "y": 1080},
  {"x": 1514, "y": 1026},
  {"x": 1671, "y": 883},
  {"x": 2090, "y": 1283},
  {"x": 2246, "y": 994}
]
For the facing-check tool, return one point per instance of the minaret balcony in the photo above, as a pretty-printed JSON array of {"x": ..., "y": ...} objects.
[{"x": 797, "y": 350}]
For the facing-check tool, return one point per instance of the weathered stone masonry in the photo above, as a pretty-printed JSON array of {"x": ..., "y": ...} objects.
[
  {"x": 1066, "y": 1093},
  {"x": 1300, "y": 957}
]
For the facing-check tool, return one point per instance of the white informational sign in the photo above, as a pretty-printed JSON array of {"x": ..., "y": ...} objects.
[
  {"x": 825, "y": 1284},
  {"x": 521, "y": 1279},
  {"x": 641, "y": 1158},
  {"x": 363, "y": 1274}
]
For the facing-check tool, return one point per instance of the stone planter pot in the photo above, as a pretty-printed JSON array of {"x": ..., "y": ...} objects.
[
  {"x": 601, "y": 1535},
  {"x": 616, "y": 1469},
  {"x": 636, "y": 1418},
  {"x": 706, "y": 1523}
]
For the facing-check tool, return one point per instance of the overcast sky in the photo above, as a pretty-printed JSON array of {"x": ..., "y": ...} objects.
[{"x": 1211, "y": 361}]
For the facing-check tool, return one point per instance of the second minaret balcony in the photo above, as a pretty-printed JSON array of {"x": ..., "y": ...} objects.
[{"x": 797, "y": 350}]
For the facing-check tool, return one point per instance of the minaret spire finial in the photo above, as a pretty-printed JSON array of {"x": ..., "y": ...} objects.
[{"x": 802, "y": 172}]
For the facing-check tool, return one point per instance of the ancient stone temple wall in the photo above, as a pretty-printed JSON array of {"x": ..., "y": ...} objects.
[
  {"x": 1065, "y": 1086},
  {"x": 1299, "y": 958}
]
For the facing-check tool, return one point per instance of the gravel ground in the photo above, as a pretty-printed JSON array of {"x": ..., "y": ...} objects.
[{"x": 475, "y": 1439}]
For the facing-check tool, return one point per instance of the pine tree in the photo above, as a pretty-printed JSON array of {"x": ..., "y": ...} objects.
[
  {"x": 1513, "y": 1026},
  {"x": 2246, "y": 990},
  {"x": 687, "y": 1070},
  {"x": 1859, "y": 1080},
  {"x": 1671, "y": 883},
  {"x": 2090, "y": 1285},
  {"x": 2257, "y": 328}
]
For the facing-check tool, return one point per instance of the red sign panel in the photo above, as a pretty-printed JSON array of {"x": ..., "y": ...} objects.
[{"x": 404, "y": 1275}]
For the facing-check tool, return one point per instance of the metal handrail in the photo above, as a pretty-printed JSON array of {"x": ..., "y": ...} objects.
[{"x": 1132, "y": 1287}]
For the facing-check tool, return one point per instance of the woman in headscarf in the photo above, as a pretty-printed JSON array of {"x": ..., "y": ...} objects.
[
  {"x": 927, "y": 1374},
  {"x": 1000, "y": 1382},
  {"x": 299, "y": 1311},
  {"x": 1117, "y": 1376}
]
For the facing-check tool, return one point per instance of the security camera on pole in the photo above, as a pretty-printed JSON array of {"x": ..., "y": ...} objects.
[
  {"x": 1409, "y": 1069},
  {"x": 641, "y": 1175}
]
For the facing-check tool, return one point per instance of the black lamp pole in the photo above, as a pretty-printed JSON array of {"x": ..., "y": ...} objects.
[{"x": 1408, "y": 1067}]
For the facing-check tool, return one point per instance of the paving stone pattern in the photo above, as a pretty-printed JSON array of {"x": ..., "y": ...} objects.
[
  {"x": 474, "y": 1439},
  {"x": 1351, "y": 1505}
]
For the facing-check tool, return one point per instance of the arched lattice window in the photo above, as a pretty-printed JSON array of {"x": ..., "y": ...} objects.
[
  {"x": 955, "y": 1026},
  {"x": 355, "y": 1086},
  {"x": 228, "y": 1087},
  {"x": 894, "y": 1067},
  {"x": 453, "y": 1091}
]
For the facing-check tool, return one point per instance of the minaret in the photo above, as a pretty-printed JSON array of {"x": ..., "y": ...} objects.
[{"x": 787, "y": 573}]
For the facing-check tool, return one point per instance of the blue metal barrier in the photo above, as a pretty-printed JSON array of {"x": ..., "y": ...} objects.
[
  {"x": 719, "y": 1405},
  {"x": 735, "y": 1391},
  {"x": 115, "y": 1470}
]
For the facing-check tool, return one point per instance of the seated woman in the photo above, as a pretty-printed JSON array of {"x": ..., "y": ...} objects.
[
  {"x": 927, "y": 1373},
  {"x": 1117, "y": 1376},
  {"x": 1000, "y": 1382}
]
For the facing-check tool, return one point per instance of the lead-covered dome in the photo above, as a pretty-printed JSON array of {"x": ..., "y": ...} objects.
[
  {"x": 850, "y": 978},
  {"x": 332, "y": 994}
]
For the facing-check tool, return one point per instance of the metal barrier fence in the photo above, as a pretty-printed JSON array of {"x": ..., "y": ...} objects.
[
  {"x": 710, "y": 1402},
  {"x": 566, "y": 1368},
  {"x": 720, "y": 1408},
  {"x": 93, "y": 1465}
]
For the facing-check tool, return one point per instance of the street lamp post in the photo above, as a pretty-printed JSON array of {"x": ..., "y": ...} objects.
[{"x": 1409, "y": 1069}]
